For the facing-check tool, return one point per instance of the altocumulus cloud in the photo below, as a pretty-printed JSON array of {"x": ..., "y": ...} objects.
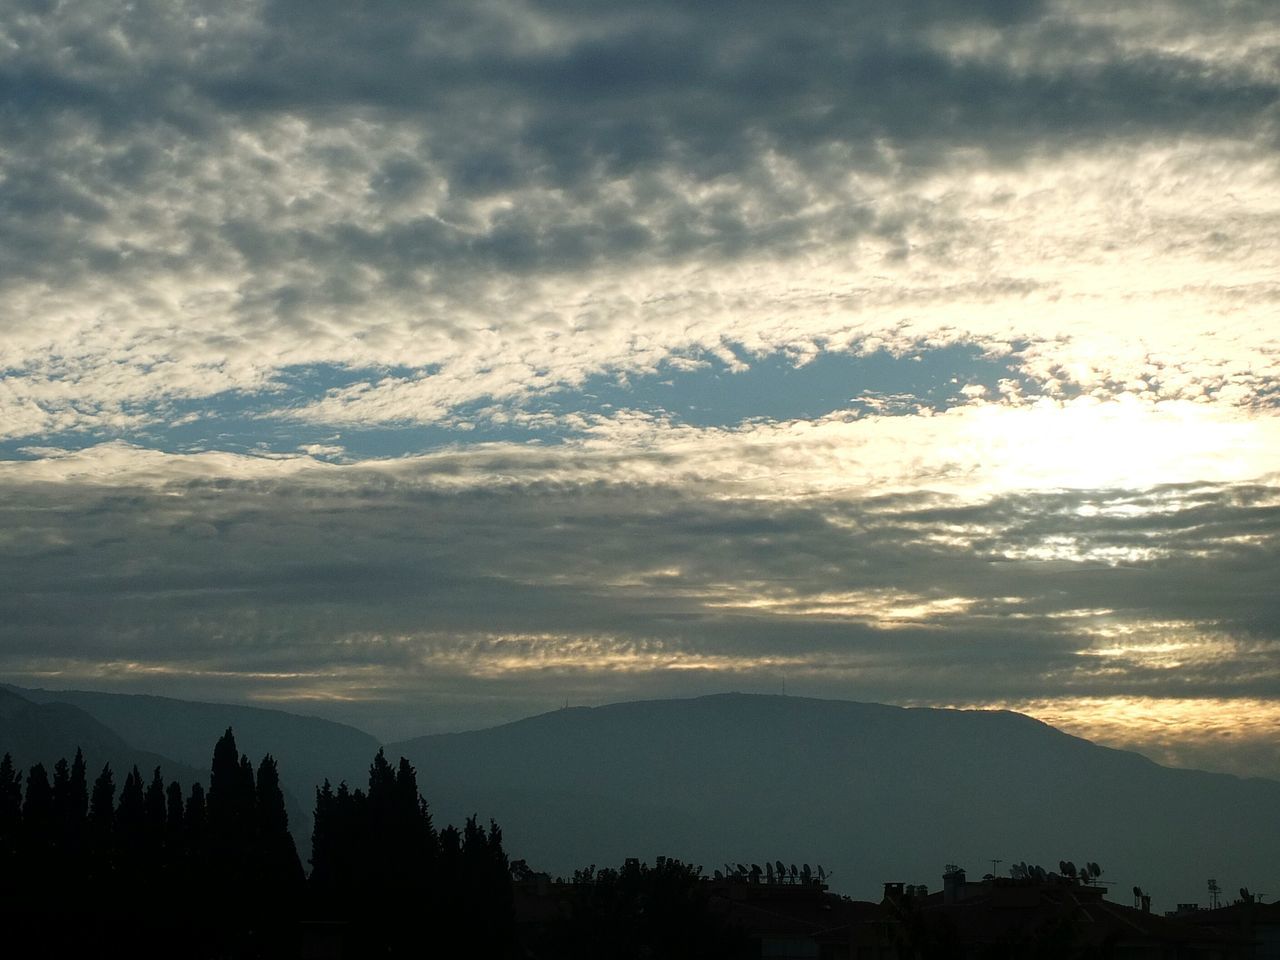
[
  {"x": 493, "y": 199},
  {"x": 381, "y": 247},
  {"x": 371, "y": 586}
]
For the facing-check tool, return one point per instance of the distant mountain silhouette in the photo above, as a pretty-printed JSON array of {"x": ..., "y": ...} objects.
[
  {"x": 873, "y": 792},
  {"x": 46, "y": 732},
  {"x": 308, "y": 749}
]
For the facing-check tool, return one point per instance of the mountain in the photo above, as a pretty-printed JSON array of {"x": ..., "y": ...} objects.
[
  {"x": 307, "y": 749},
  {"x": 875, "y": 793},
  {"x": 46, "y": 732}
]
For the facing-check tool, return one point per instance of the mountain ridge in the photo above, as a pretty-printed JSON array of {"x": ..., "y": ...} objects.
[
  {"x": 874, "y": 791},
  {"x": 877, "y": 791}
]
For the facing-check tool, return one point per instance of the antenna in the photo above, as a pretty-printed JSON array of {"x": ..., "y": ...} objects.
[
  {"x": 994, "y": 864},
  {"x": 1214, "y": 890}
]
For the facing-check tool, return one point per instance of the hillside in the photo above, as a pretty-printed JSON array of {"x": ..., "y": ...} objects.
[
  {"x": 46, "y": 732},
  {"x": 307, "y": 749},
  {"x": 872, "y": 792}
]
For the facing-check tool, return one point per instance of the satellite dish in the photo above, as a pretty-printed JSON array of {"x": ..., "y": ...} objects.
[
  {"x": 806, "y": 872},
  {"x": 768, "y": 870},
  {"x": 822, "y": 874},
  {"x": 741, "y": 870},
  {"x": 755, "y": 870},
  {"x": 794, "y": 871},
  {"x": 719, "y": 875},
  {"x": 782, "y": 870}
]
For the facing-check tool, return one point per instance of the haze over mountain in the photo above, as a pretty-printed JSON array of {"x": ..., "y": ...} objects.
[
  {"x": 46, "y": 732},
  {"x": 873, "y": 792},
  {"x": 308, "y": 749}
]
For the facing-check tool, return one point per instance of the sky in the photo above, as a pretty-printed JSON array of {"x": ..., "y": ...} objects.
[{"x": 426, "y": 366}]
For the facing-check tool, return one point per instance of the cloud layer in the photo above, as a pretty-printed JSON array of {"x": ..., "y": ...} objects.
[
  {"x": 488, "y": 200},
  {"x": 393, "y": 587},
  {"x": 451, "y": 360}
]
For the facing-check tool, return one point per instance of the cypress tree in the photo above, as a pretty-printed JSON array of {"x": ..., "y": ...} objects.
[
  {"x": 131, "y": 814},
  {"x": 131, "y": 828},
  {"x": 246, "y": 791},
  {"x": 102, "y": 804},
  {"x": 37, "y": 807},
  {"x": 323, "y": 846},
  {"x": 173, "y": 815},
  {"x": 75, "y": 810},
  {"x": 195, "y": 831},
  {"x": 224, "y": 776},
  {"x": 154, "y": 800},
  {"x": 231, "y": 825},
  {"x": 194, "y": 818},
  {"x": 275, "y": 843},
  {"x": 62, "y": 791},
  {"x": 10, "y": 820},
  {"x": 79, "y": 788},
  {"x": 69, "y": 808}
]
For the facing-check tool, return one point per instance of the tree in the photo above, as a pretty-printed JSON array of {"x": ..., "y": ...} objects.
[
  {"x": 232, "y": 827},
  {"x": 279, "y": 857},
  {"x": 157, "y": 812},
  {"x": 10, "y": 821},
  {"x": 79, "y": 799},
  {"x": 173, "y": 815},
  {"x": 102, "y": 804},
  {"x": 195, "y": 816},
  {"x": 130, "y": 825},
  {"x": 37, "y": 808}
]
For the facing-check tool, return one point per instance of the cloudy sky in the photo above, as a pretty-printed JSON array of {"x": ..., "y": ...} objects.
[{"x": 429, "y": 365}]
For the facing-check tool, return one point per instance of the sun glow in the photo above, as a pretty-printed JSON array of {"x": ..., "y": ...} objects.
[
  {"x": 1128, "y": 441},
  {"x": 1191, "y": 732}
]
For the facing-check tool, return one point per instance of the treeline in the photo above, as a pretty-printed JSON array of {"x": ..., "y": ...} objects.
[
  {"x": 217, "y": 873},
  {"x": 378, "y": 862},
  {"x": 639, "y": 911}
]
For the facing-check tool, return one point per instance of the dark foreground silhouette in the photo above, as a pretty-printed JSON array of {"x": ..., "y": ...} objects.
[
  {"x": 149, "y": 870},
  {"x": 156, "y": 871}
]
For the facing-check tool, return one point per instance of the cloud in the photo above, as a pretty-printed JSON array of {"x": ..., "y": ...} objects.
[
  {"x": 517, "y": 196},
  {"x": 382, "y": 587},
  {"x": 284, "y": 285}
]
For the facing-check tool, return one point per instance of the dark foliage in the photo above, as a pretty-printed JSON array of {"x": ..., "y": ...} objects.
[
  {"x": 637, "y": 911},
  {"x": 379, "y": 866},
  {"x": 217, "y": 873}
]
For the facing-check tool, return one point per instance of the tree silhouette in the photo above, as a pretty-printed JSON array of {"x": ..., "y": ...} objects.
[
  {"x": 37, "y": 811},
  {"x": 220, "y": 868},
  {"x": 278, "y": 857},
  {"x": 102, "y": 815},
  {"x": 173, "y": 816},
  {"x": 10, "y": 826}
]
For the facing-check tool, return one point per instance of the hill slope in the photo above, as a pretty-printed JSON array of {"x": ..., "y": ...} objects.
[
  {"x": 47, "y": 732},
  {"x": 872, "y": 792},
  {"x": 307, "y": 749}
]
